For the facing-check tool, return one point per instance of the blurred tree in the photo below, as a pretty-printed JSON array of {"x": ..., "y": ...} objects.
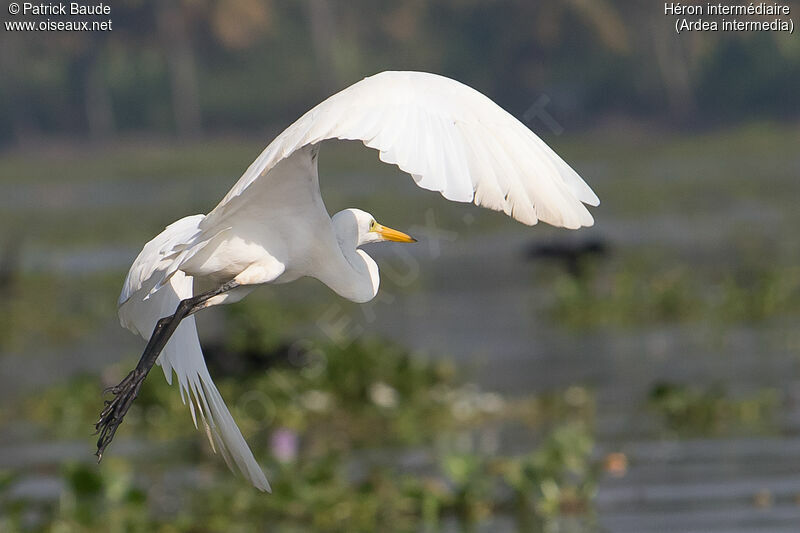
[
  {"x": 97, "y": 98},
  {"x": 237, "y": 24},
  {"x": 674, "y": 67},
  {"x": 322, "y": 29},
  {"x": 238, "y": 64},
  {"x": 174, "y": 34},
  {"x": 20, "y": 121}
]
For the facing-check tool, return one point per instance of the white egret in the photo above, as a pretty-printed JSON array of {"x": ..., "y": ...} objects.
[{"x": 272, "y": 226}]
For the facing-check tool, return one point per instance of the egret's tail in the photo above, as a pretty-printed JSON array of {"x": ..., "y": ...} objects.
[{"x": 183, "y": 355}]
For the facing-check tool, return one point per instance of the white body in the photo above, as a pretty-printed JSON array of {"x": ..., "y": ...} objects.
[{"x": 272, "y": 226}]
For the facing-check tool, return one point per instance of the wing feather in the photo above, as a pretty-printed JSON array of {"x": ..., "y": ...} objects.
[
  {"x": 142, "y": 305},
  {"x": 449, "y": 137}
]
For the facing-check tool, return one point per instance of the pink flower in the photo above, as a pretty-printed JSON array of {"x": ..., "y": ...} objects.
[{"x": 284, "y": 444}]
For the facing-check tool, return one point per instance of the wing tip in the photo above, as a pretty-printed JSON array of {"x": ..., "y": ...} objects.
[{"x": 593, "y": 200}]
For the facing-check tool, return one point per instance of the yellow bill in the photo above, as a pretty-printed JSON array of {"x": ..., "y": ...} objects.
[{"x": 390, "y": 234}]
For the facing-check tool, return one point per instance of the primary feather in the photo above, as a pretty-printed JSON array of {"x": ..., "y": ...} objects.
[{"x": 449, "y": 137}]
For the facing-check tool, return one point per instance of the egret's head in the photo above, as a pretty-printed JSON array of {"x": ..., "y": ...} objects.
[{"x": 361, "y": 227}]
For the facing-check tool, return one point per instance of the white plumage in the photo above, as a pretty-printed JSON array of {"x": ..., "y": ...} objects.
[
  {"x": 272, "y": 226},
  {"x": 139, "y": 313},
  {"x": 449, "y": 137}
]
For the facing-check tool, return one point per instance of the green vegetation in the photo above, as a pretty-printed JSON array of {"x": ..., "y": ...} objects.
[
  {"x": 638, "y": 289},
  {"x": 131, "y": 160},
  {"x": 743, "y": 171},
  {"x": 337, "y": 429},
  {"x": 45, "y": 310},
  {"x": 707, "y": 411},
  {"x": 366, "y": 437},
  {"x": 241, "y": 64}
]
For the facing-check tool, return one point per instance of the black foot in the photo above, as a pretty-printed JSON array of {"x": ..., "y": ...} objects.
[{"x": 114, "y": 411}]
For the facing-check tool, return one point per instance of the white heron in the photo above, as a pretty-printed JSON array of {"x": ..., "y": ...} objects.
[{"x": 272, "y": 226}]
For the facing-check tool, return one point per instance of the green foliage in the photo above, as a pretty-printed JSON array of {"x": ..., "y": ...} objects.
[
  {"x": 759, "y": 292},
  {"x": 247, "y": 63},
  {"x": 335, "y": 426},
  {"x": 719, "y": 88},
  {"x": 260, "y": 325},
  {"x": 636, "y": 290},
  {"x": 692, "y": 411},
  {"x": 625, "y": 296},
  {"x": 91, "y": 500},
  {"x": 559, "y": 477}
]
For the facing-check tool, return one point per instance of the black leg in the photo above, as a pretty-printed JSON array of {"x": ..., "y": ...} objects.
[{"x": 127, "y": 390}]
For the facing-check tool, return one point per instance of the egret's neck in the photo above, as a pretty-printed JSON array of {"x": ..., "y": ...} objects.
[{"x": 356, "y": 275}]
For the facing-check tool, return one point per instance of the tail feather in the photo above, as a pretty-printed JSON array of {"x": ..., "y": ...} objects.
[{"x": 183, "y": 356}]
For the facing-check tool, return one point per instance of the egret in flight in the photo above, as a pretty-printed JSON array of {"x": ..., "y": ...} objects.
[{"x": 272, "y": 226}]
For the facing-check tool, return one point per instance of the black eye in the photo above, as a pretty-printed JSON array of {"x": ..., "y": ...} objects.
[{"x": 372, "y": 224}]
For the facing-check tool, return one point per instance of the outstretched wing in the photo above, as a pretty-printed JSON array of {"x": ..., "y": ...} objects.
[
  {"x": 449, "y": 137},
  {"x": 142, "y": 305}
]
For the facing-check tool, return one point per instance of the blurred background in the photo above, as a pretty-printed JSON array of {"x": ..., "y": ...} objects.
[{"x": 640, "y": 375}]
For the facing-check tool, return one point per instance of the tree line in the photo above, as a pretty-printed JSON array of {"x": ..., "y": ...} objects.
[{"x": 183, "y": 67}]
